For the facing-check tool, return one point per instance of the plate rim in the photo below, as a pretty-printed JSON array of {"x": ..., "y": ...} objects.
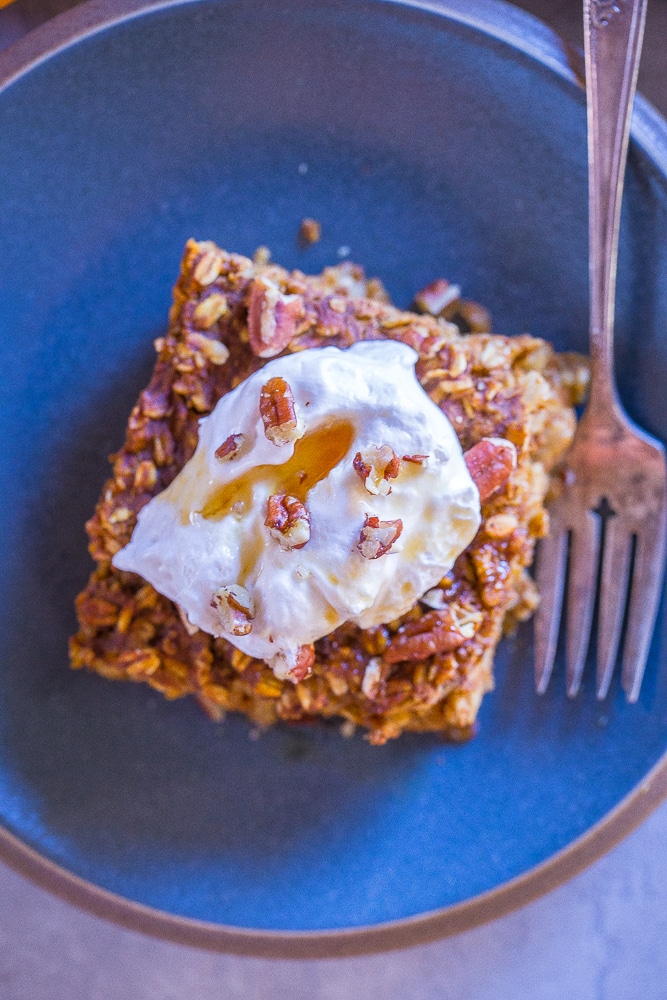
[{"x": 525, "y": 33}]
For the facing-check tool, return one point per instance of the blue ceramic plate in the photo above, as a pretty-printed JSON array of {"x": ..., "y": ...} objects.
[{"x": 431, "y": 139}]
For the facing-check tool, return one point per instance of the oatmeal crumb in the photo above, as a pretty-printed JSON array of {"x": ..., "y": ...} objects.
[
  {"x": 261, "y": 256},
  {"x": 310, "y": 231}
]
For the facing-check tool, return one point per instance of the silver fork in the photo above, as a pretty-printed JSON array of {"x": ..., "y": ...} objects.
[{"x": 614, "y": 482}]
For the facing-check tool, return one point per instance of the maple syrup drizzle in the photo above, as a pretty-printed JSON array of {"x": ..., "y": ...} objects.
[{"x": 314, "y": 456}]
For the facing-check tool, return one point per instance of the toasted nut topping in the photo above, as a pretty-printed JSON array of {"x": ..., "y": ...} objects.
[
  {"x": 490, "y": 463},
  {"x": 208, "y": 267},
  {"x": 236, "y": 607},
  {"x": 416, "y": 459},
  {"x": 434, "y": 598},
  {"x": 338, "y": 684},
  {"x": 230, "y": 448},
  {"x": 309, "y": 231},
  {"x": 377, "y": 537},
  {"x": 212, "y": 350},
  {"x": 395, "y": 322},
  {"x": 375, "y": 467},
  {"x": 209, "y": 311},
  {"x": 276, "y": 406},
  {"x": 294, "y": 665},
  {"x": 288, "y": 521},
  {"x": 500, "y": 525},
  {"x": 494, "y": 354},
  {"x": 272, "y": 318},
  {"x": 435, "y": 298},
  {"x": 435, "y": 632},
  {"x": 372, "y": 679},
  {"x": 465, "y": 619},
  {"x": 145, "y": 475}
]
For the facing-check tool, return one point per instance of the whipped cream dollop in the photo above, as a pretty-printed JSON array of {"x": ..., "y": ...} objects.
[{"x": 325, "y": 488}]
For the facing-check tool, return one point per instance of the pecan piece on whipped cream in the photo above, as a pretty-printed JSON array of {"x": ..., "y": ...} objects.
[
  {"x": 276, "y": 407},
  {"x": 236, "y": 607},
  {"x": 230, "y": 447},
  {"x": 377, "y": 537},
  {"x": 272, "y": 318},
  {"x": 490, "y": 463},
  {"x": 375, "y": 466},
  {"x": 288, "y": 521}
]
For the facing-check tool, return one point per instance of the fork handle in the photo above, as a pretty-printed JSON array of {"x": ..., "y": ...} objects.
[{"x": 613, "y": 34}]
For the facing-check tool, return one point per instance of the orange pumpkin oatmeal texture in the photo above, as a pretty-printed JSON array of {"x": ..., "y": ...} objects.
[{"x": 426, "y": 671}]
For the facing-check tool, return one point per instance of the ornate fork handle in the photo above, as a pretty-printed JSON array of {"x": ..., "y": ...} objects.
[{"x": 613, "y": 33}]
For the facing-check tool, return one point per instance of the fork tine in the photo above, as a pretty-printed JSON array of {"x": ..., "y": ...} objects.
[
  {"x": 583, "y": 570},
  {"x": 613, "y": 594},
  {"x": 550, "y": 575},
  {"x": 644, "y": 599}
]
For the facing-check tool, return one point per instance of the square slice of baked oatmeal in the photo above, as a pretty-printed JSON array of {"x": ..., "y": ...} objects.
[{"x": 229, "y": 315}]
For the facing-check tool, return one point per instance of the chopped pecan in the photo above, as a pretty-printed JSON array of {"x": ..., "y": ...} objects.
[
  {"x": 294, "y": 664},
  {"x": 416, "y": 459},
  {"x": 435, "y": 298},
  {"x": 490, "y": 463},
  {"x": 236, "y": 607},
  {"x": 372, "y": 679},
  {"x": 435, "y": 632},
  {"x": 276, "y": 406},
  {"x": 377, "y": 537},
  {"x": 288, "y": 521},
  {"x": 375, "y": 466},
  {"x": 230, "y": 447},
  {"x": 272, "y": 318}
]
